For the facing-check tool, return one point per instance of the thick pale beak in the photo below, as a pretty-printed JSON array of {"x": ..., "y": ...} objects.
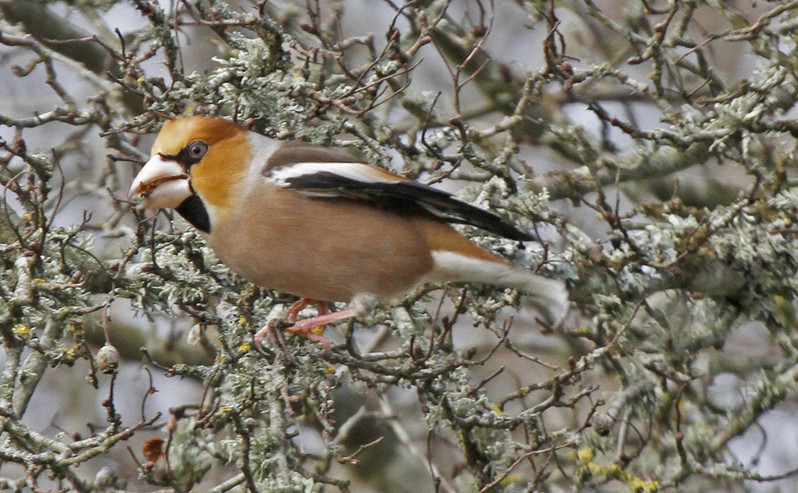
[{"x": 161, "y": 183}]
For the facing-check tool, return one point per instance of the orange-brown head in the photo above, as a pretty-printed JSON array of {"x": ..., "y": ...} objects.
[{"x": 196, "y": 163}]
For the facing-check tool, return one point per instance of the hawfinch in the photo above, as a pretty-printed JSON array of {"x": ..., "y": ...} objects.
[{"x": 318, "y": 223}]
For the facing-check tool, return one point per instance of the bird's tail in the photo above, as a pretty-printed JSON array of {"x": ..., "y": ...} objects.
[{"x": 549, "y": 296}]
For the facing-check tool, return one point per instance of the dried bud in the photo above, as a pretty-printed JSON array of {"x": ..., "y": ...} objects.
[
  {"x": 108, "y": 358},
  {"x": 308, "y": 28},
  {"x": 194, "y": 334},
  {"x": 152, "y": 449},
  {"x": 602, "y": 424},
  {"x": 105, "y": 478},
  {"x": 478, "y": 31}
]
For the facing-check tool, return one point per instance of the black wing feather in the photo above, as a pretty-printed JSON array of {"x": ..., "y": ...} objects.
[{"x": 406, "y": 197}]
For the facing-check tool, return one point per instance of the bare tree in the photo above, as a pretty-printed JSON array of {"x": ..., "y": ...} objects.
[{"x": 648, "y": 145}]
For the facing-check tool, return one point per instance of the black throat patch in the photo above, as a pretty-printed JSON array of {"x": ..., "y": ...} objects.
[{"x": 193, "y": 210}]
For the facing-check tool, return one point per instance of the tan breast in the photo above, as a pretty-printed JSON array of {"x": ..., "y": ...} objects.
[{"x": 326, "y": 249}]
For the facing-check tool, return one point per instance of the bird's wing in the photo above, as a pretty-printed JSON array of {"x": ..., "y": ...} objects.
[{"x": 360, "y": 181}]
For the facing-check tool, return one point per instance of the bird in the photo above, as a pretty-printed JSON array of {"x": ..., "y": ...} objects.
[{"x": 319, "y": 223}]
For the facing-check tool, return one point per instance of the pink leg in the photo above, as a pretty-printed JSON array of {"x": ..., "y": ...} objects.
[
  {"x": 360, "y": 306},
  {"x": 261, "y": 334},
  {"x": 307, "y": 327},
  {"x": 296, "y": 307},
  {"x": 291, "y": 315}
]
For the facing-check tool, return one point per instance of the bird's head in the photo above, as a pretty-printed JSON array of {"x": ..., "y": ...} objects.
[{"x": 195, "y": 167}]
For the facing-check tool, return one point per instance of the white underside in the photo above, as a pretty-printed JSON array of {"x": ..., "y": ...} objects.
[{"x": 451, "y": 266}]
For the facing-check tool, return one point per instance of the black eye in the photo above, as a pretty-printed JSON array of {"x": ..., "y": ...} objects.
[{"x": 196, "y": 150}]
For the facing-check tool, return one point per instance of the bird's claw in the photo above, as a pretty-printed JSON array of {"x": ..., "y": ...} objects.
[
  {"x": 264, "y": 331},
  {"x": 308, "y": 331},
  {"x": 311, "y": 332}
]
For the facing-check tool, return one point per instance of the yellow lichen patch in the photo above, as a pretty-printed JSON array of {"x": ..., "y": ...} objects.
[
  {"x": 21, "y": 330},
  {"x": 585, "y": 456},
  {"x": 512, "y": 478},
  {"x": 72, "y": 352}
]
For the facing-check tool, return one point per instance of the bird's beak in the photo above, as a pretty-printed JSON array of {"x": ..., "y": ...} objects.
[{"x": 161, "y": 183}]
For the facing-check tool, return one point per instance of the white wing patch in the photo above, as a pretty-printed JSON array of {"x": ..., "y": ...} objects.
[{"x": 353, "y": 171}]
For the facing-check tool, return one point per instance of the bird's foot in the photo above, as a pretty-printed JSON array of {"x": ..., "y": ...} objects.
[
  {"x": 297, "y": 306},
  {"x": 266, "y": 330},
  {"x": 312, "y": 328},
  {"x": 310, "y": 331}
]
